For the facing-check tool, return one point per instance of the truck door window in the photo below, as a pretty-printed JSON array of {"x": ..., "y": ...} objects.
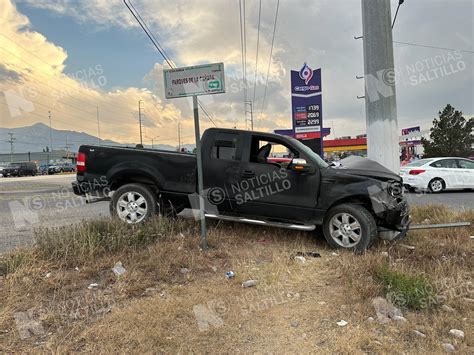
[
  {"x": 270, "y": 152},
  {"x": 225, "y": 146}
]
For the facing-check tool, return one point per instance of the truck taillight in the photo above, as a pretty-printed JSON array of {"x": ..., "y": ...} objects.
[
  {"x": 416, "y": 171},
  {"x": 81, "y": 163}
]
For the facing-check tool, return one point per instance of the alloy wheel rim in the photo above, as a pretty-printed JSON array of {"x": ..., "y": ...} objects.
[
  {"x": 436, "y": 185},
  {"x": 345, "y": 230},
  {"x": 132, "y": 207}
]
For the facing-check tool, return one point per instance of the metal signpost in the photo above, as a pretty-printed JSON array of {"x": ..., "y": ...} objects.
[{"x": 193, "y": 81}]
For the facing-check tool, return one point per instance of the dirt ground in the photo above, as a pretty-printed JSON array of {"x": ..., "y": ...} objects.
[{"x": 176, "y": 298}]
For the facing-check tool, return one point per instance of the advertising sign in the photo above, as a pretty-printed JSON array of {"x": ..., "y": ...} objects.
[
  {"x": 406, "y": 131},
  {"x": 196, "y": 80},
  {"x": 306, "y": 102}
]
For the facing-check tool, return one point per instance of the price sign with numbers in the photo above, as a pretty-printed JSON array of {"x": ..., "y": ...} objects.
[{"x": 306, "y": 102}]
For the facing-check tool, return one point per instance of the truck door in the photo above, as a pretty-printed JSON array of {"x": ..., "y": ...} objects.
[
  {"x": 221, "y": 169},
  {"x": 268, "y": 188}
]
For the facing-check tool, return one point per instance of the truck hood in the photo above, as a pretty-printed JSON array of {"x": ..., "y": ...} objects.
[{"x": 355, "y": 165}]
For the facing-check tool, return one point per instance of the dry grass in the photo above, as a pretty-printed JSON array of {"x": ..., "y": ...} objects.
[{"x": 151, "y": 307}]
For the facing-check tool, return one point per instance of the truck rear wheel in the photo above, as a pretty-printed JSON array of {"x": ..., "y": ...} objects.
[
  {"x": 133, "y": 203},
  {"x": 349, "y": 226}
]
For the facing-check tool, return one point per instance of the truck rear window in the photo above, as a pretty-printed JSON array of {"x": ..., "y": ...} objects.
[{"x": 225, "y": 146}]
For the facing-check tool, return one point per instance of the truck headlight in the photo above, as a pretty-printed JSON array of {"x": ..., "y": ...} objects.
[{"x": 395, "y": 188}]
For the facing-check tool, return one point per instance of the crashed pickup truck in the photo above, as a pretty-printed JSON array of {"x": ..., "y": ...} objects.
[{"x": 250, "y": 177}]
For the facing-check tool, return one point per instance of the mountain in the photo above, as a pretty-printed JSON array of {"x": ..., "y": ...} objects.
[{"x": 35, "y": 138}]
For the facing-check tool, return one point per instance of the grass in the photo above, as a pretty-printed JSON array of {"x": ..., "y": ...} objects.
[
  {"x": 412, "y": 291},
  {"x": 150, "y": 307}
]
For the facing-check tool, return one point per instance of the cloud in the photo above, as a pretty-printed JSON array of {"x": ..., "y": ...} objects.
[
  {"x": 193, "y": 32},
  {"x": 33, "y": 85}
]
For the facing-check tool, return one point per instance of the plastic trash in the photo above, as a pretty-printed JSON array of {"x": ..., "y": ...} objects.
[
  {"x": 342, "y": 323},
  {"x": 229, "y": 275},
  {"x": 118, "y": 269},
  {"x": 249, "y": 283}
]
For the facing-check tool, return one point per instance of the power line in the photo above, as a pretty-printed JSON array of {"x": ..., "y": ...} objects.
[
  {"x": 256, "y": 57},
  {"x": 51, "y": 66},
  {"x": 243, "y": 56},
  {"x": 63, "y": 83},
  {"x": 54, "y": 119},
  {"x": 270, "y": 60},
  {"x": 157, "y": 45},
  {"x": 434, "y": 47}
]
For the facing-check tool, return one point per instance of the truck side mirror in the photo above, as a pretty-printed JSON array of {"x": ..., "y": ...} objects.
[{"x": 300, "y": 165}]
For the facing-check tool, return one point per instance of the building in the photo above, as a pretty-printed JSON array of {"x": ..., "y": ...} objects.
[
  {"x": 40, "y": 158},
  {"x": 340, "y": 147}
]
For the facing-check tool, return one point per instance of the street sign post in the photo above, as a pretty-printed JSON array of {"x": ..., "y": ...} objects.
[{"x": 193, "y": 81}]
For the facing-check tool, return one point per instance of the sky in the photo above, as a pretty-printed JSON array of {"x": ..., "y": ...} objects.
[{"x": 76, "y": 59}]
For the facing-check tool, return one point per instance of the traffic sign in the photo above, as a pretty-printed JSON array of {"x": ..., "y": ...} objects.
[{"x": 196, "y": 80}]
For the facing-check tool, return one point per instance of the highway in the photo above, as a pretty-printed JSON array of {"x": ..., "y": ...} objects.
[{"x": 27, "y": 203}]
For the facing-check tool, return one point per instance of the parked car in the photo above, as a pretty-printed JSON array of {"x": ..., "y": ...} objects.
[
  {"x": 439, "y": 174},
  {"x": 43, "y": 169},
  {"x": 20, "y": 169},
  {"x": 54, "y": 169},
  {"x": 67, "y": 168},
  {"x": 2, "y": 166},
  {"x": 242, "y": 184}
]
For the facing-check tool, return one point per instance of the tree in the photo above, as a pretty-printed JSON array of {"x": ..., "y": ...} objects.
[{"x": 451, "y": 135}]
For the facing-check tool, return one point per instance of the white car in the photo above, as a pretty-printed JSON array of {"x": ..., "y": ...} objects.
[{"x": 438, "y": 174}]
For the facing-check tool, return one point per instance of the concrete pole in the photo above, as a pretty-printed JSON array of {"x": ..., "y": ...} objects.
[{"x": 380, "y": 98}]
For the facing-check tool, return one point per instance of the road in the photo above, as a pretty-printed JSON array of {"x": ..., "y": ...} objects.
[{"x": 27, "y": 203}]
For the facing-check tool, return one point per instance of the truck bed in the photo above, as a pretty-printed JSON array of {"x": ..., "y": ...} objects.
[{"x": 170, "y": 171}]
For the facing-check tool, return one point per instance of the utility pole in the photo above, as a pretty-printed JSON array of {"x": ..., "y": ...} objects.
[
  {"x": 11, "y": 140},
  {"x": 140, "y": 120},
  {"x": 67, "y": 148},
  {"x": 380, "y": 98},
  {"x": 179, "y": 137},
  {"x": 98, "y": 125},
  {"x": 250, "y": 103},
  {"x": 153, "y": 141},
  {"x": 50, "y": 137}
]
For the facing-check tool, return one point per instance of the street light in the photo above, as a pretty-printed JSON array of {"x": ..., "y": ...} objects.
[{"x": 152, "y": 141}]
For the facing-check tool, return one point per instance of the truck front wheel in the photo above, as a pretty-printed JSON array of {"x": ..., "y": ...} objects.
[
  {"x": 133, "y": 203},
  {"x": 349, "y": 226}
]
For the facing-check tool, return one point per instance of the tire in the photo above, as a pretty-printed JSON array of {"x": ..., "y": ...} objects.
[
  {"x": 436, "y": 185},
  {"x": 349, "y": 226},
  {"x": 133, "y": 203}
]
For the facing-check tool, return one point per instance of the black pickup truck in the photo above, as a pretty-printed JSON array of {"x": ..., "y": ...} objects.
[{"x": 251, "y": 177}]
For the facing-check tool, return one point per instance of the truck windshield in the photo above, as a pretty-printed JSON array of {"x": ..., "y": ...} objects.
[
  {"x": 14, "y": 165},
  {"x": 309, "y": 152}
]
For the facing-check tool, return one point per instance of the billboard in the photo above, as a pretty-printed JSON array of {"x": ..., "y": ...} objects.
[
  {"x": 196, "y": 80},
  {"x": 406, "y": 131},
  {"x": 306, "y": 102}
]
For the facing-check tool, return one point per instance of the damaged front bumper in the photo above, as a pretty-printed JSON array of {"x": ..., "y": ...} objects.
[{"x": 393, "y": 218}]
